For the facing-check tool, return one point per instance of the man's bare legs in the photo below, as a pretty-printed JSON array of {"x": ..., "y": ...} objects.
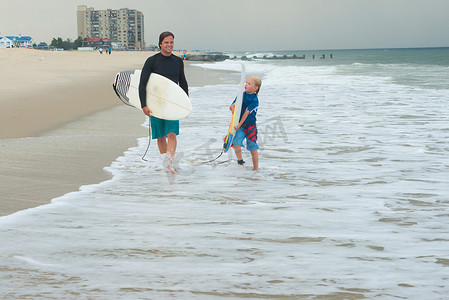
[{"x": 167, "y": 144}]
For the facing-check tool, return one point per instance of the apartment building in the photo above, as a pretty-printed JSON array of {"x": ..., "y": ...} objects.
[{"x": 125, "y": 26}]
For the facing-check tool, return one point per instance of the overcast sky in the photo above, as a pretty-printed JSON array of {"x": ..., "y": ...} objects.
[{"x": 251, "y": 24}]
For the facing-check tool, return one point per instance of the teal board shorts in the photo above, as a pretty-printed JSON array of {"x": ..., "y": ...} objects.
[{"x": 161, "y": 127}]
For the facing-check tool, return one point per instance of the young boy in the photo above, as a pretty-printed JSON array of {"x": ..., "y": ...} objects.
[{"x": 246, "y": 128}]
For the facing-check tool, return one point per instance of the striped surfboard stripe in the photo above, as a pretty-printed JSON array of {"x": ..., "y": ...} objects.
[{"x": 121, "y": 85}]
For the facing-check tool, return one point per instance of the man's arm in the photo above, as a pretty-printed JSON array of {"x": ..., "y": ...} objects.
[
  {"x": 182, "y": 80},
  {"x": 144, "y": 77}
]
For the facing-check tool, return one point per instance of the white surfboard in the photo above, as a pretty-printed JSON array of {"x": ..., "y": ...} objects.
[
  {"x": 235, "y": 114},
  {"x": 165, "y": 99}
]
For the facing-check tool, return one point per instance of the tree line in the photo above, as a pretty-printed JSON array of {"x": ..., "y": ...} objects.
[{"x": 67, "y": 44}]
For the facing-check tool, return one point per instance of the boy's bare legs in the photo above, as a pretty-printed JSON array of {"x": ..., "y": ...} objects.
[
  {"x": 238, "y": 152},
  {"x": 255, "y": 157}
]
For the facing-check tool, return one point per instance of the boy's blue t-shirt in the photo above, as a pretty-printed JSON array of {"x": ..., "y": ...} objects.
[{"x": 250, "y": 102}]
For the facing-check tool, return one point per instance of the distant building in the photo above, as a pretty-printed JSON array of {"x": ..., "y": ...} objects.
[
  {"x": 16, "y": 41},
  {"x": 42, "y": 45},
  {"x": 124, "y": 26},
  {"x": 6, "y": 42},
  {"x": 96, "y": 42},
  {"x": 116, "y": 44}
]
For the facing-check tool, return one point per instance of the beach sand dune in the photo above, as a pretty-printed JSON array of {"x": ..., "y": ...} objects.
[{"x": 61, "y": 123}]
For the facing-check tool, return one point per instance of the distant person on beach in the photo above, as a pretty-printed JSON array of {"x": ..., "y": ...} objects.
[
  {"x": 246, "y": 128},
  {"x": 167, "y": 64}
]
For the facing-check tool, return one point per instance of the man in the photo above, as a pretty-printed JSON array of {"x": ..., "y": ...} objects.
[{"x": 172, "y": 67}]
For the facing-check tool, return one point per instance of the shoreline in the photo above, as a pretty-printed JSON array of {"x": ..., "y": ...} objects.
[{"x": 52, "y": 145}]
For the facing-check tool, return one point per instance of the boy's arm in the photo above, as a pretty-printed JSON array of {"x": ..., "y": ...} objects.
[{"x": 245, "y": 115}]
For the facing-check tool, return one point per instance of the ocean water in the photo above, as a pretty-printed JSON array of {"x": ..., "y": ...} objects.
[{"x": 351, "y": 200}]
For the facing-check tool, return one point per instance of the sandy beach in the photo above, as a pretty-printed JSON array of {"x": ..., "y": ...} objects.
[{"x": 61, "y": 123}]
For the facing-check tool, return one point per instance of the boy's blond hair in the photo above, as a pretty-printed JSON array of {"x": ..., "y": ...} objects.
[{"x": 257, "y": 81}]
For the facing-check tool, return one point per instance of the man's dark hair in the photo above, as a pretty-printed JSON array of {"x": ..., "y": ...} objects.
[{"x": 163, "y": 35}]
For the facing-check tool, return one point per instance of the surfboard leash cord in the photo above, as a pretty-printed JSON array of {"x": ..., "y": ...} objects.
[
  {"x": 209, "y": 161},
  {"x": 149, "y": 141},
  {"x": 212, "y": 160}
]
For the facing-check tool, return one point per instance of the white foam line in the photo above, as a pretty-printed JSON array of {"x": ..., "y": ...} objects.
[{"x": 32, "y": 261}]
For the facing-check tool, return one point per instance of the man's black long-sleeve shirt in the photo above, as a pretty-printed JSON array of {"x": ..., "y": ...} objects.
[{"x": 171, "y": 67}]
